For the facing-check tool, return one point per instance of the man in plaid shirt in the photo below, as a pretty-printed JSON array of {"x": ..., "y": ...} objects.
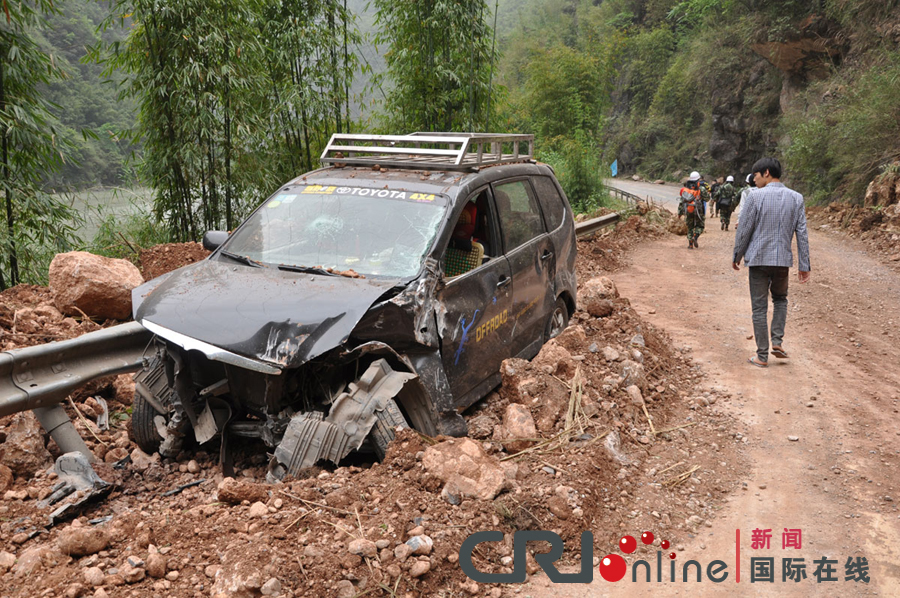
[{"x": 770, "y": 217}]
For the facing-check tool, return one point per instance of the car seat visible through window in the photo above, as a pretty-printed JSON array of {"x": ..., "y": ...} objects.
[{"x": 463, "y": 253}]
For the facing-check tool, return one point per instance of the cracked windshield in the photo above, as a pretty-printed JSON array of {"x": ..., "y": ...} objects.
[{"x": 374, "y": 232}]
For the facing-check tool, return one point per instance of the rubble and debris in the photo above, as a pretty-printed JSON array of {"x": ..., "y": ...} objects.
[
  {"x": 878, "y": 226},
  {"x": 75, "y": 478},
  {"x": 304, "y": 526},
  {"x": 465, "y": 468},
  {"x": 82, "y": 541},
  {"x": 235, "y": 492},
  {"x": 24, "y": 451}
]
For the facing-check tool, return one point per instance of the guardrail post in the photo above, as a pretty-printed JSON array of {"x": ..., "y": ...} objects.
[{"x": 59, "y": 426}]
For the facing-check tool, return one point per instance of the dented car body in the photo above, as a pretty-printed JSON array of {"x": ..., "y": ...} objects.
[{"x": 333, "y": 314}]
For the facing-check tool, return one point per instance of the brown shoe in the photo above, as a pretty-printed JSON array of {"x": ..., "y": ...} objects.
[
  {"x": 779, "y": 353},
  {"x": 755, "y": 360}
]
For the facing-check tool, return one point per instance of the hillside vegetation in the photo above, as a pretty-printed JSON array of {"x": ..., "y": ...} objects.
[{"x": 669, "y": 86}]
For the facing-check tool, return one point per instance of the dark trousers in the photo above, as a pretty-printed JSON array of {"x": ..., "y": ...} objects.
[
  {"x": 725, "y": 215},
  {"x": 763, "y": 280}
]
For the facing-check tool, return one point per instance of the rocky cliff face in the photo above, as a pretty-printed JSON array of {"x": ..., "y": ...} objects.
[
  {"x": 804, "y": 55},
  {"x": 885, "y": 189}
]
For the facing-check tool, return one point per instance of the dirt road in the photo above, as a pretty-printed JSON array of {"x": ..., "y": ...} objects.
[{"x": 822, "y": 426}]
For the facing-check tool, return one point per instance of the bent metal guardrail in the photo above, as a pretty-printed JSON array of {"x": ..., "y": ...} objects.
[
  {"x": 594, "y": 224},
  {"x": 44, "y": 375}
]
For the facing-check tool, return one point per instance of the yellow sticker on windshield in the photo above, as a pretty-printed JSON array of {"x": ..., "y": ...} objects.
[
  {"x": 319, "y": 189},
  {"x": 421, "y": 197},
  {"x": 273, "y": 204}
]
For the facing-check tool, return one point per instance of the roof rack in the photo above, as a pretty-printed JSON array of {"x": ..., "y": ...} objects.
[{"x": 433, "y": 151}]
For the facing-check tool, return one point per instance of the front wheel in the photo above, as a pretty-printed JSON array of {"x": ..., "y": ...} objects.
[
  {"x": 143, "y": 426},
  {"x": 559, "y": 319}
]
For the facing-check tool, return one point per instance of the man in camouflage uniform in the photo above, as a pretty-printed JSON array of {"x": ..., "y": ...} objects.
[
  {"x": 692, "y": 205},
  {"x": 727, "y": 200}
]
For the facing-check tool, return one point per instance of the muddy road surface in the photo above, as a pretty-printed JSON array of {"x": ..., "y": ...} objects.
[{"x": 820, "y": 428}]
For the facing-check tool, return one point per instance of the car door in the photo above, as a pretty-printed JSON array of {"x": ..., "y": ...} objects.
[
  {"x": 475, "y": 326},
  {"x": 529, "y": 251}
]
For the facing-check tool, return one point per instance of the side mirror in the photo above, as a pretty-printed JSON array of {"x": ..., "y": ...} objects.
[{"x": 213, "y": 239}]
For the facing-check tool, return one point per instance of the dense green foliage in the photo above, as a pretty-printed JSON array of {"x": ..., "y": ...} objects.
[
  {"x": 687, "y": 85},
  {"x": 85, "y": 102},
  {"x": 30, "y": 145},
  {"x": 841, "y": 144},
  {"x": 439, "y": 59},
  {"x": 234, "y": 97}
]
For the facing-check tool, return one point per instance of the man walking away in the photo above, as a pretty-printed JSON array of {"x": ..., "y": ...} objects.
[
  {"x": 714, "y": 194},
  {"x": 727, "y": 201},
  {"x": 692, "y": 205},
  {"x": 705, "y": 192},
  {"x": 771, "y": 216},
  {"x": 745, "y": 190}
]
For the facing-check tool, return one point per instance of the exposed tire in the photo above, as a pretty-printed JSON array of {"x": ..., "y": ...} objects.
[
  {"x": 382, "y": 432},
  {"x": 143, "y": 428},
  {"x": 558, "y": 320}
]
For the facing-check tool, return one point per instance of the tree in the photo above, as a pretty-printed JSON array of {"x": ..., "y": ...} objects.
[
  {"x": 29, "y": 141},
  {"x": 234, "y": 97},
  {"x": 439, "y": 56}
]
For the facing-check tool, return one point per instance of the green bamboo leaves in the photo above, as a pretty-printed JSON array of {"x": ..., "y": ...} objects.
[
  {"x": 439, "y": 55},
  {"x": 234, "y": 98}
]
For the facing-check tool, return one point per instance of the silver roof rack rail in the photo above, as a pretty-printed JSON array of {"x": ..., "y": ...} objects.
[{"x": 432, "y": 151}]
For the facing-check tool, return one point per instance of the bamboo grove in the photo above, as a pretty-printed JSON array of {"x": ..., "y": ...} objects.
[
  {"x": 29, "y": 144},
  {"x": 234, "y": 97},
  {"x": 440, "y": 57}
]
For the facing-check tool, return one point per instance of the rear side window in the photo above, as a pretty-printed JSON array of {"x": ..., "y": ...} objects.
[
  {"x": 554, "y": 207},
  {"x": 520, "y": 215}
]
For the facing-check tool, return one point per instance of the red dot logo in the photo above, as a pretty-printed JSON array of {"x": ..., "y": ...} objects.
[{"x": 612, "y": 567}]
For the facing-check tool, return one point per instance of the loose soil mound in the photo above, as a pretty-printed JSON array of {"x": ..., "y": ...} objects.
[
  {"x": 162, "y": 259},
  {"x": 878, "y": 228}
]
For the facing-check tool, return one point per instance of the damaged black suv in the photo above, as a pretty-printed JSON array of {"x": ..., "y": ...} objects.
[{"x": 383, "y": 290}]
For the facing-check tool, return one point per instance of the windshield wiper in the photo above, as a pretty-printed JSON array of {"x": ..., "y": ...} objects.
[
  {"x": 242, "y": 259},
  {"x": 306, "y": 270}
]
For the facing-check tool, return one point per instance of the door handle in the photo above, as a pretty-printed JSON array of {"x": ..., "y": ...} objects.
[
  {"x": 547, "y": 255},
  {"x": 503, "y": 282}
]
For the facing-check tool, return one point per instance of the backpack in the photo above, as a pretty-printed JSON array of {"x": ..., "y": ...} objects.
[
  {"x": 691, "y": 200},
  {"x": 726, "y": 195}
]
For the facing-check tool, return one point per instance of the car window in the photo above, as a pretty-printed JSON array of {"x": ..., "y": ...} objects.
[
  {"x": 551, "y": 200},
  {"x": 520, "y": 216},
  {"x": 472, "y": 240},
  {"x": 375, "y": 232}
]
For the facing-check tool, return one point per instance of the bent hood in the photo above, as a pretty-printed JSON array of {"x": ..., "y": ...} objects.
[{"x": 283, "y": 318}]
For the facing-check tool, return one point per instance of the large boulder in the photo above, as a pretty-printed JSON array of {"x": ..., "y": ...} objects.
[
  {"x": 24, "y": 451},
  {"x": 596, "y": 296},
  {"x": 100, "y": 287},
  {"x": 465, "y": 468}
]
